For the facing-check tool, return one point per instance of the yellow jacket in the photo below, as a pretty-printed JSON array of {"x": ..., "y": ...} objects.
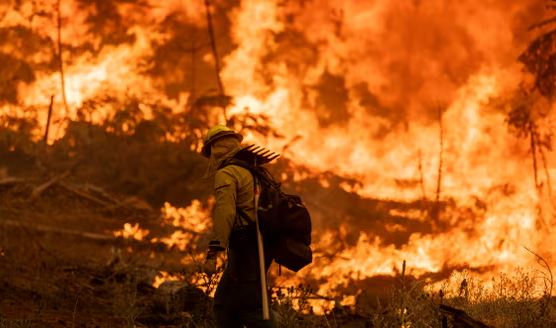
[{"x": 233, "y": 189}]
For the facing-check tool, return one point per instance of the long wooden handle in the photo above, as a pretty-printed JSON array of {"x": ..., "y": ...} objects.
[{"x": 266, "y": 310}]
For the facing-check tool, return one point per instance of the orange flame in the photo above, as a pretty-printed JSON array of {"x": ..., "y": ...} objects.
[
  {"x": 164, "y": 276},
  {"x": 132, "y": 232},
  {"x": 193, "y": 221},
  {"x": 354, "y": 88}
]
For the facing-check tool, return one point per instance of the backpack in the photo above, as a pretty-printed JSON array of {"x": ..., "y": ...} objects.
[{"x": 284, "y": 221}]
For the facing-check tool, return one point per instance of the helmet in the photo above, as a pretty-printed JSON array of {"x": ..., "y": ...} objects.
[{"x": 216, "y": 133}]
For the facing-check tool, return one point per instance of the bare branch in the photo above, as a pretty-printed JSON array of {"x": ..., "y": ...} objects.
[
  {"x": 543, "y": 23},
  {"x": 40, "y": 189}
]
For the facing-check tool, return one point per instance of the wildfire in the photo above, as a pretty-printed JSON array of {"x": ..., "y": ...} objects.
[
  {"x": 409, "y": 99},
  {"x": 132, "y": 232},
  {"x": 164, "y": 276},
  {"x": 192, "y": 221},
  {"x": 193, "y": 218}
]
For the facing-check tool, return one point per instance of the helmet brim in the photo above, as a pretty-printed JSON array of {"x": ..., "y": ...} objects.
[{"x": 205, "y": 151}]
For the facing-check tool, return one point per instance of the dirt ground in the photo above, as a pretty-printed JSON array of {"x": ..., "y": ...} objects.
[{"x": 62, "y": 266}]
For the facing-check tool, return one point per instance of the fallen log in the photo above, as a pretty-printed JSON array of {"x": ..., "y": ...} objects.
[
  {"x": 12, "y": 181},
  {"x": 43, "y": 187},
  {"x": 84, "y": 194},
  {"x": 92, "y": 189},
  {"x": 46, "y": 228},
  {"x": 152, "y": 244},
  {"x": 109, "y": 203}
]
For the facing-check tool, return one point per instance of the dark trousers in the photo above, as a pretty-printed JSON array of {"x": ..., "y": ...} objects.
[
  {"x": 239, "y": 303},
  {"x": 238, "y": 297}
]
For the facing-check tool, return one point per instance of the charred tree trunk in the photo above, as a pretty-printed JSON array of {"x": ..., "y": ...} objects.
[
  {"x": 546, "y": 173},
  {"x": 537, "y": 147},
  {"x": 436, "y": 209},
  {"x": 533, "y": 145},
  {"x": 48, "y": 119},
  {"x": 60, "y": 56},
  {"x": 215, "y": 55},
  {"x": 440, "y": 156},
  {"x": 422, "y": 177}
]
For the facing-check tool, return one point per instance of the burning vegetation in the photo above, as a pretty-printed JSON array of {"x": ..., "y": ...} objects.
[{"x": 419, "y": 134}]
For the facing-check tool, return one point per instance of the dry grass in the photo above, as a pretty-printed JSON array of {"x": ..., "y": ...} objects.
[{"x": 521, "y": 299}]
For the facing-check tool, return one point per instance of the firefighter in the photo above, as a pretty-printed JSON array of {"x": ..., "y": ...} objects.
[{"x": 238, "y": 297}]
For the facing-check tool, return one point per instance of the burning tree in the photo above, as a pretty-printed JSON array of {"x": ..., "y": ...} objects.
[{"x": 342, "y": 89}]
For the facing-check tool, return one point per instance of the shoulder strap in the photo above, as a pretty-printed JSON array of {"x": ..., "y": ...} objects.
[
  {"x": 244, "y": 220},
  {"x": 262, "y": 174},
  {"x": 238, "y": 162}
]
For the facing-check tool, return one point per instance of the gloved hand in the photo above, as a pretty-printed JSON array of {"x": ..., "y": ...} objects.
[{"x": 209, "y": 267}]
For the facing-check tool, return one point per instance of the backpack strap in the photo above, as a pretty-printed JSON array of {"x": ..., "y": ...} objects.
[
  {"x": 243, "y": 217},
  {"x": 259, "y": 173},
  {"x": 238, "y": 162}
]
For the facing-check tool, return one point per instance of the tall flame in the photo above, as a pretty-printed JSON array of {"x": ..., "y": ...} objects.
[
  {"x": 376, "y": 91},
  {"x": 358, "y": 86}
]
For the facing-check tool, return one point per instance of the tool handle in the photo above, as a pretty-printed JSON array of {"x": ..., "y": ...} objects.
[{"x": 264, "y": 290}]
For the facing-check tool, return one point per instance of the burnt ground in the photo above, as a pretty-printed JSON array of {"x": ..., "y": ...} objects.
[{"x": 61, "y": 266}]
